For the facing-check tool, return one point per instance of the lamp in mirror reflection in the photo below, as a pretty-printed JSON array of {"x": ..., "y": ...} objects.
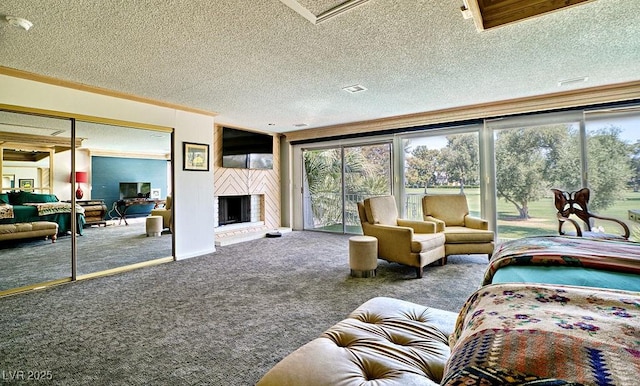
[{"x": 81, "y": 177}]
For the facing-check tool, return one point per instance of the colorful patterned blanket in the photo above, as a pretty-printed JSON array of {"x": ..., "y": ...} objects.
[
  {"x": 523, "y": 334},
  {"x": 48, "y": 208},
  {"x": 612, "y": 255},
  {"x": 6, "y": 211}
]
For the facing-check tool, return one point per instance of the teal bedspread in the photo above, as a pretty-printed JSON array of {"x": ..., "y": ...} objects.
[
  {"x": 568, "y": 261},
  {"x": 588, "y": 277},
  {"x": 27, "y": 213}
]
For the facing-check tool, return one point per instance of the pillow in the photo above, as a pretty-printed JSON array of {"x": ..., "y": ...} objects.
[
  {"x": 17, "y": 197},
  {"x": 39, "y": 198},
  {"x": 4, "y": 198},
  {"x": 23, "y": 197}
]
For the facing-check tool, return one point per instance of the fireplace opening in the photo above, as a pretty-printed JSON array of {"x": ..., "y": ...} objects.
[{"x": 234, "y": 209}]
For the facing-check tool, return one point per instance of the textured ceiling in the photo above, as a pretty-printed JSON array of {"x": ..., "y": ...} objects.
[{"x": 258, "y": 62}]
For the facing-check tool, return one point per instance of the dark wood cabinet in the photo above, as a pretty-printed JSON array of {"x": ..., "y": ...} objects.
[{"x": 94, "y": 211}]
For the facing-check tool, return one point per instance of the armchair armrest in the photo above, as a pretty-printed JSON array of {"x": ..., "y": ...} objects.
[
  {"x": 440, "y": 225},
  {"x": 392, "y": 240},
  {"x": 624, "y": 226},
  {"x": 389, "y": 233},
  {"x": 476, "y": 223},
  {"x": 418, "y": 226}
]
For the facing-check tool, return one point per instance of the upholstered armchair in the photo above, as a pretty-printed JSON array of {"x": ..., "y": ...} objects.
[
  {"x": 464, "y": 233},
  {"x": 575, "y": 203},
  {"x": 164, "y": 212},
  {"x": 409, "y": 242}
]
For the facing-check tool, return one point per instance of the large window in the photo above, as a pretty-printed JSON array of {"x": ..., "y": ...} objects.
[
  {"x": 440, "y": 163},
  {"x": 530, "y": 160},
  {"x": 613, "y": 165},
  {"x": 567, "y": 151},
  {"x": 506, "y": 167}
]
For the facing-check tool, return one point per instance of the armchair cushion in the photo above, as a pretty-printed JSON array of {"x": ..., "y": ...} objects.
[
  {"x": 464, "y": 235},
  {"x": 450, "y": 208},
  {"x": 426, "y": 242},
  {"x": 381, "y": 210}
]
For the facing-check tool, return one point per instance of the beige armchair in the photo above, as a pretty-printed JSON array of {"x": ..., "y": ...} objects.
[
  {"x": 464, "y": 234},
  {"x": 165, "y": 213},
  {"x": 409, "y": 242}
]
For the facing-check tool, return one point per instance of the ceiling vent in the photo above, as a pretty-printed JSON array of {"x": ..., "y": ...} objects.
[
  {"x": 572, "y": 81},
  {"x": 354, "y": 89},
  {"x": 339, "y": 8}
]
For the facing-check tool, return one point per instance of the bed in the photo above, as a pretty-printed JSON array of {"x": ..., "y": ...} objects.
[
  {"x": 567, "y": 260},
  {"x": 24, "y": 207},
  {"x": 543, "y": 334}
]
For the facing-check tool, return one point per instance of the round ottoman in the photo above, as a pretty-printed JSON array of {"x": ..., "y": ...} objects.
[
  {"x": 154, "y": 226},
  {"x": 363, "y": 256}
]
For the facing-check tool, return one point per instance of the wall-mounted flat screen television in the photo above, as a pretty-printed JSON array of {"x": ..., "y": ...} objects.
[
  {"x": 246, "y": 149},
  {"x": 135, "y": 190}
]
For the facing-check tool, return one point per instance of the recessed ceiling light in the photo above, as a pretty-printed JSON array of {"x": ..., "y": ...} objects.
[
  {"x": 300, "y": 125},
  {"x": 354, "y": 89},
  {"x": 567, "y": 82},
  {"x": 19, "y": 22}
]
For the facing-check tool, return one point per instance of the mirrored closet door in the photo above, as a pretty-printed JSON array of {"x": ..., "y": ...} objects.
[
  {"x": 35, "y": 154},
  {"x": 125, "y": 177},
  {"x": 120, "y": 178}
]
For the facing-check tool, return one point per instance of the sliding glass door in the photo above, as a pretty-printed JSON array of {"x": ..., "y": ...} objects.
[{"x": 335, "y": 179}]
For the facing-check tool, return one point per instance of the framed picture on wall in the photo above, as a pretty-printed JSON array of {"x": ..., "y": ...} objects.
[
  {"x": 26, "y": 183},
  {"x": 155, "y": 193},
  {"x": 196, "y": 156}
]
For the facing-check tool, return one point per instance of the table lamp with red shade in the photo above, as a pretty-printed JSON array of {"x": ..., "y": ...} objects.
[{"x": 81, "y": 177}]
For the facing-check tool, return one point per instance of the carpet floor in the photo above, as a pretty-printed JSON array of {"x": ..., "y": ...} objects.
[
  {"x": 220, "y": 319},
  {"x": 33, "y": 261}
]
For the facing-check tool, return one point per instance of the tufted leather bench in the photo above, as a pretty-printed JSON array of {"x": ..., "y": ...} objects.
[
  {"x": 26, "y": 230},
  {"x": 385, "y": 339}
]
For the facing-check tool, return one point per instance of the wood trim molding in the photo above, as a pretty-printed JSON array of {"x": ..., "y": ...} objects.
[
  {"x": 32, "y": 142},
  {"x": 539, "y": 103},
  {"x": 121, "y": 154},
  {"x": 84, "y": 118},
  {"x": 98, "y": 90}
]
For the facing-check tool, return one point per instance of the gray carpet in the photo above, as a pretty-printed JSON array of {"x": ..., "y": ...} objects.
[
  {"x": 220, "y": 319},
  {"x": 27, "y": 262}
]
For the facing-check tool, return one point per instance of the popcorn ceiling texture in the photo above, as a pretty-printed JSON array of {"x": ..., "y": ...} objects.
[{"x": 257, "y": 61}]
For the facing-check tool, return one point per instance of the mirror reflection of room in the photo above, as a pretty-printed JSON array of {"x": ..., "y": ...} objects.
[
  {"x": 122, "y": 181},
  {"x": 129, "y": 183}
]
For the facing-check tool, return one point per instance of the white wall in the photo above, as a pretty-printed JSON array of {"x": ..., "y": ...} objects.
[{"x": 193, "y": 191}]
